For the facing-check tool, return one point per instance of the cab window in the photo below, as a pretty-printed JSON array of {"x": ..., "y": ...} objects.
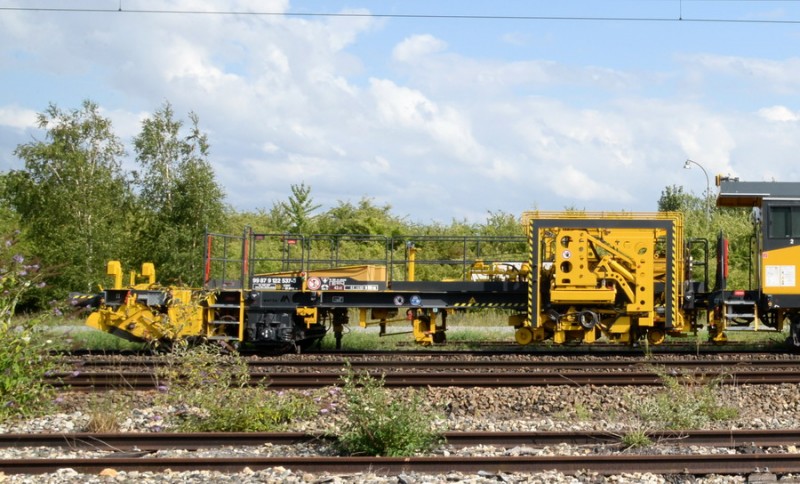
[{"x": 784, "y": 222}]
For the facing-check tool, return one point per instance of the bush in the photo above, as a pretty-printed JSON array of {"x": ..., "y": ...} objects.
[
  {"x": 24, "y": 357},
  {"x": 213, "y": 390},
  {"x": 378, "y": 425}
]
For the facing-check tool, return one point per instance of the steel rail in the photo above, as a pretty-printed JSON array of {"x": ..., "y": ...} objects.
[
  {"x": 286, "y": 380},
  {"x": 430, "y": 364},
  {"x": 146, "y": 441},
  {"x": 508, "y": 348},
  {"x": 604, "y": 464}
]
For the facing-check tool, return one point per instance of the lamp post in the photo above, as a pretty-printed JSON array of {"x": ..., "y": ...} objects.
[{"x": 688, "y": 165}]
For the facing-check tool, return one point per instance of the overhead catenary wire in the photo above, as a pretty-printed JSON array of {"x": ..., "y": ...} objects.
[{"x": 679, "y": 17}]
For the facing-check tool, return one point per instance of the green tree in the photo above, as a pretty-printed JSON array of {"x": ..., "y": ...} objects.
[
  {"x": 178, "y": 196},
  {"x": 363, "y": 218},
  {"x": 674, "y": 199},
  {"x": 502, "y": 224},
  {"x": 72, "y": 195},
  {"x": 9, "y": 221},
  {"x": 702, "y": 223},
  {"x": 299, "y": 209}
]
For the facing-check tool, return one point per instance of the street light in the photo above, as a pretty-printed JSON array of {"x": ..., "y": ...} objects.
[{"x": 688, "y": 165}]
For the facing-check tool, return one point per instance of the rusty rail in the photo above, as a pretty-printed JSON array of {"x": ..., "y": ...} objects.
[{"x": 198, "y": 440}]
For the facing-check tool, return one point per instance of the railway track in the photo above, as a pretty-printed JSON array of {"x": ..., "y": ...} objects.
[
  {"x": 449, "y": 363},
  {"x": 505, "y": 348},
  {"x": 745, "y": 462},
  {"x": 607, "y": 465},
  {"x": 199, "y": 440},
  {"x": 147, "y": 380}
]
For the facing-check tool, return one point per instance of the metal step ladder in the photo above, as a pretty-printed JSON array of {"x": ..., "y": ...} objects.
[
  {"x": 224, "y": 323},
  {"x": 738, "y": 312}
]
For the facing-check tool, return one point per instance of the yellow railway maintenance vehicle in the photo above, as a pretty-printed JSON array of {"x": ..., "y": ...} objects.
[
  {"x": 775, "y": 298},
  {"x": 573, "y": 278},
  {"x": 613, "y": 275}
]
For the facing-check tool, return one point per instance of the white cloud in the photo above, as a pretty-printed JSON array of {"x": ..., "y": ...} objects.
[
  {"x": 412, "y": 49},
  {"x": 767, "y": 74},
  {"x": 17, "y": 117},
  {"x": 573, "y": 183},
  {"x": 779, "y": 114}
]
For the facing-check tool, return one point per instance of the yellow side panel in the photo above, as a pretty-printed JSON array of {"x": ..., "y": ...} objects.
[{"x": 779, "y": 271}]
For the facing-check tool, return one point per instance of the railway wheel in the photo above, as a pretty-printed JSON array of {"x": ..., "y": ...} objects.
[
  {"x": 523, "y": 335},
  {"x": 656, "y": 336}
]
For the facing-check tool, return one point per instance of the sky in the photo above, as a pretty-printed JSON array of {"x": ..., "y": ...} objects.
[{"x": 443, "y": 110}]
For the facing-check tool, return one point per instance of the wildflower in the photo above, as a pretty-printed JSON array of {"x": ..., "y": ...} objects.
[
  {"x": 75, "y": 373},
  {"x": 162, "y": 388},
  {"x": 18, "y": 259},
  {"x": 323, "y": 411}
]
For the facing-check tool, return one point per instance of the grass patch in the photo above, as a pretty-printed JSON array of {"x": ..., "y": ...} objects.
[
  {"x": 398, "y": 338},
  {"x": 636, "y": 439},
  {"x": 100, "y": 341},
  {"x": 105, "y": 412}
]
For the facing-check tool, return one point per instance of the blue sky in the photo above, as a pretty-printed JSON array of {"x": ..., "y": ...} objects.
[{"x": 441, "y": 118}]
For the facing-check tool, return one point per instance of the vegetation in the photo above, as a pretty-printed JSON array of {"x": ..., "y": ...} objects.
[
  {"x": 24, "y": 360},
  {"x": 636, "y": 439},
  {"x": 377, "y": 424},
  {"x": 684, "y": 404},
  {"x": 214, "y": 392},
  {"x": 71, "y": 188},
  {"x": 702, "y": 220},
  {"x": 178, "y": 197}
]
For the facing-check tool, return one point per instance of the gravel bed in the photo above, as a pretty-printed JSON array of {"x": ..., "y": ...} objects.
[{"x": 464, "y": 409}]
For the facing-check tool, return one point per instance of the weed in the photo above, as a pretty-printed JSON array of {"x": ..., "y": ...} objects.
[
  {"x": 106, "y": 410},
  {"x": 378, "y": 425},
  {"x": 636, "y": 439},
  {"x": 582, "y": 412},
  {"x": 685, "y": 404},
  {"x": 213, "y": 389},
  {"x": 103, "y": 421}
]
